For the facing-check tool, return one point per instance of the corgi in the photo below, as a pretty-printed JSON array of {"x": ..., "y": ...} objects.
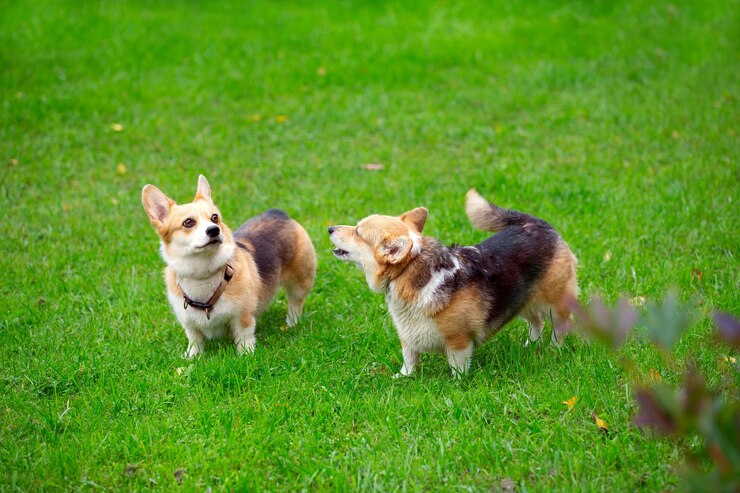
[
  {"x": 219, "y": 282},
  {"x": 447, "y": 299}
]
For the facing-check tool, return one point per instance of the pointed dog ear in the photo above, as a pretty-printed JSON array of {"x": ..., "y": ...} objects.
[
  {"x": 393, "y": 250},
  {"x": 416, "y": 218},
  {"x": 204, "y": 189},
  {"x": 156, "y": 204}
]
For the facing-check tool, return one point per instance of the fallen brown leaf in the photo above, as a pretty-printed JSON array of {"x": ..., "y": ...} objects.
[
  {"x": 507, "y": 485},
  {"x": 180, "y": 475}
]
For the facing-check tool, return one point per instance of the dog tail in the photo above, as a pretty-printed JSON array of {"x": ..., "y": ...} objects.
[{"x": 489, "y": 217}]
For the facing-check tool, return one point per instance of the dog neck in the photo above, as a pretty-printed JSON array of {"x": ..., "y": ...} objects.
[
  {"x": 201, "y": 268},
  {"x": 418, "y": 280},
  {"x": 208, "y": 305}
]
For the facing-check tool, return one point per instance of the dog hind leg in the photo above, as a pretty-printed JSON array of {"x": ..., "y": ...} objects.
[
  {"x": 561, "y": 325},
  {"x": 459, "y": 359},
  {"x": 298, "y": 276},
  {"x": 536, "y": 325},
  {"x": 296, "y": 295}
]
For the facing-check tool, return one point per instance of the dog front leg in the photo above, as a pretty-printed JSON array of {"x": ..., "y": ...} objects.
[
  {"x": 410, "y": 358},
  {"x": 243, "y": 333},
  {"x": 196, "y": 342}
]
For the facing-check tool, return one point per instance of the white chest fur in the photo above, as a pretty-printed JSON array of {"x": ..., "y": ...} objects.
[
  {"x": 413, "y": 326},
  {"x": 412, "y": 323},
  {"x": 222, "y": 315}
]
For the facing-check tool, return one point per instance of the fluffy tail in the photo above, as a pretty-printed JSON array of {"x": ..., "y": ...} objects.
[{"x": 489, "y": 217}]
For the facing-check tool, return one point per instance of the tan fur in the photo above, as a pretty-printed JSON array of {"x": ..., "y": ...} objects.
[
  {"x": 381, "y": 239},
  {"x": 477, "y": 209},
  {"x": 463, "y": 321},
  {"x": 298, "y": 274},
  {"x": 406, "y": 278},
  {"x": 557, "y": 288},
  {"x": 482, "y": 214}
]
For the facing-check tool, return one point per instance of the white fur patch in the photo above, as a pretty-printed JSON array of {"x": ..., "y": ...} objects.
[
  {"x": 217, "y": 327},
  {"x": 427, "y": 293},
  {"x": 197, "y": 266},
  {"x": 413, "y": 326},
  {"x": 416, "y": 239}
]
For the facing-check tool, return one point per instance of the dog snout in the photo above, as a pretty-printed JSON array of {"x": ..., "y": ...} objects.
[
  {"x": 213, "y": 231},
  {"x": 332, "y": 229}
]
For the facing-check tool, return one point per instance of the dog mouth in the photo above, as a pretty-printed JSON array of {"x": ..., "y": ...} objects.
[
  {"x": 215, "y": 241},
  {"x": 340, "y": 254}
]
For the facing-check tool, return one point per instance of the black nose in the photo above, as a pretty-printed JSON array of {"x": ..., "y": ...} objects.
[
  {"x": 331, "y": 229},
  {"x": 212, "y": 231}
]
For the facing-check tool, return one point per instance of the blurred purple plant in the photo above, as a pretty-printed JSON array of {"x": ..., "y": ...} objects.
[
  {"x": 666, "y": 321},
  {"x": 728, "y": 329},
  {"x": 695, "y": 409},
  {"x": 610, "y": 327}
]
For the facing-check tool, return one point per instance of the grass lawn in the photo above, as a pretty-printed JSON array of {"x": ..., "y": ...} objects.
[{"x": 617, "y": 122}]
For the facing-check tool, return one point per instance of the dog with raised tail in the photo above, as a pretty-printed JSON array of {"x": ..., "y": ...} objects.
[
  {"x": 219, "y": 282},
  {"x": 450, "y": 298}
]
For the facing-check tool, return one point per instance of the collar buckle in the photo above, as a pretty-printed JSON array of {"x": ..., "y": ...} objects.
[{"x": 208, "y": 305}]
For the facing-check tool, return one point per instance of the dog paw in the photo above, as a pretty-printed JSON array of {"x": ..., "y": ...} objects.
[
  {"x": 247, "y": 347},
  {"x": 191, "y": 352},
  {"x": 293, "y": 317},
  {"x": 405, "y": 372},
  {"x": 556, "y": 340},
  {"x": 531, "y": 342}
]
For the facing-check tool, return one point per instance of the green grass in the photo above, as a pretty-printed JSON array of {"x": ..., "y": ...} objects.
[{"x": 615, "y": 121}]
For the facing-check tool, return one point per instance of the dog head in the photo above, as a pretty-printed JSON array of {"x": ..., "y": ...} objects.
[
  {"x": 195, "y": 241},
  {"x": 379, "y": 244}
]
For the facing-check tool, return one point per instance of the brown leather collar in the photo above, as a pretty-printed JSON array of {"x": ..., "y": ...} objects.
[{"x": 208, "y": 305}]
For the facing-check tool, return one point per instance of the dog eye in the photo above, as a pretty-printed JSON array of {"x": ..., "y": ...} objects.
[
  {"x": 214, "y": 218},
  {"x": 188, "y": 223}
]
